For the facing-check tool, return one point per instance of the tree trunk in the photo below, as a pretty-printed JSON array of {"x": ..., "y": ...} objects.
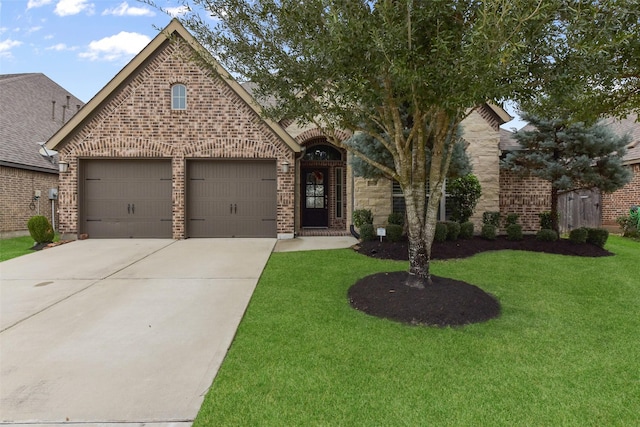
[{"x": 554, "y": 210}]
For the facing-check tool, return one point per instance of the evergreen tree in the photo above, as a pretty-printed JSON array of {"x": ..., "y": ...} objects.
[{"x": 570, "y": 156}]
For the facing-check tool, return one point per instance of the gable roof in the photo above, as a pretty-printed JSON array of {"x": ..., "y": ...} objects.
[
  {"x": 32, "y": 108},
  {"x": 174, "y": 28}
]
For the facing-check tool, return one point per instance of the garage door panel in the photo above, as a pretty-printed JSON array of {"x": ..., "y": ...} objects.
[
  {"x": 228, "y": 198},
  {"x": 127, "y": 198}
]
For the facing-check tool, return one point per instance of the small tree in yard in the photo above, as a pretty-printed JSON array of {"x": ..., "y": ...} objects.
[
  {"x": 570, "y": 156},
  {"x": 404, "y": 72}
]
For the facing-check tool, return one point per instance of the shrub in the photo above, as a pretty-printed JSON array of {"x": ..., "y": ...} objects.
[
  {"x": 441, "y": 232},
  {"x": 453, "y": 230},
  {"x": 511, "y": 219},
  {"x": 597, "y": 236},
  {"x": 466, "y": 230},
  {"x": 629, "y": 226},
  {"x": 40, "y": 229},
  {"x": 578, "y": 235},
  {"x": 361, "y": 217},
  {"x": 464, "y": 193},
  {"x": 547, "y": 235},
  {"x": 394, "y": 232},
  {"x": 488, "y": 232},
  {"x": 367, "y": 232},
  {"x": 546, "y": 220},
  {"x": 492, "y": 218},
  {"x": 396, "y": 218},
  {"x": 514, "y": 232}
]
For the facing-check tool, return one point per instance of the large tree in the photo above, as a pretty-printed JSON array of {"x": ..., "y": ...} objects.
[
  {"x": 570, "y": 156},
  {"x": 404, "y": 72}
]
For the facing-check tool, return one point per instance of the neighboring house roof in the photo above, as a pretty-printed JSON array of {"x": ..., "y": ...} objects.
[
  {"x": 628, "y": 126},
  {"x": 174, "y": 28},
  {"x": 28, "y": 116}
]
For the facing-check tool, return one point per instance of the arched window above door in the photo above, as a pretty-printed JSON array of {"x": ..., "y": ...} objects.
[{"x": 322, "y": 152}]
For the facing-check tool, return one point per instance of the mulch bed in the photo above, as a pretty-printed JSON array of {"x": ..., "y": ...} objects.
[{"x": 445, "y": 302}]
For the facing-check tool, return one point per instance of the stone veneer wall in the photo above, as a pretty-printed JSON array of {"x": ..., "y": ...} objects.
[
  {"x": 136, "y": 121},
  {"x": 374, "y": 194},
  {"x": 619, "y": 202},
  {"x": 526, "y": 197},
  {"x": 18, "y": 188},
  {"x": 484, "y": 153}
]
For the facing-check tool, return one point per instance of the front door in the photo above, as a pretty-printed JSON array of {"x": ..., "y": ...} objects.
[{"x": 315, "y": 212}]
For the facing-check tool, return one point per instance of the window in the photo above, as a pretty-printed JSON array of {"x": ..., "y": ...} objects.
[
  {"x": 339, "y": 189},
  {"x": 322, "y": 152},
  {"x": 399, "y": 205},
  {"x": 178, "y": 97}
]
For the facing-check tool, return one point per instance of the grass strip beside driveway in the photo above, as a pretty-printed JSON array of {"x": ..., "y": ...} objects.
[
  {"x": 563, "y": 352},
  {"x": 15, "y": 247}
]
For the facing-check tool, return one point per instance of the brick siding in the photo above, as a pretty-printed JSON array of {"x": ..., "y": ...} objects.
[
  {"x": 18, "y": 188},
  {"x": 526, "y": 197},
  {"x": 137, "y": 122},
  {"x": 617, "y": 204}
]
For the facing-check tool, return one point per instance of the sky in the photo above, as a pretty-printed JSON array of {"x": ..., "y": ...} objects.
[{"x": 82, "y": 44}]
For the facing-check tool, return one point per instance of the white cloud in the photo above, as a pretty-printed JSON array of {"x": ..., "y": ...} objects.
[
  {"x": 33, "y": 30},
  {"x": 61, "y": 47},
  {"x": 121, "y": 46},
  {"x": 73, "y": 7},
  {"x": 37, "y": 3},
  {"x": 177, "y": 11},
  {"x": 125, "y": 10},
  {"x": 6, "y": 46}
]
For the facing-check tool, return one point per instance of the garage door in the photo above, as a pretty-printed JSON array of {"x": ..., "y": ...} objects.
[
  {"x": 126, "y": 198},
  {"x": 228, "y": 198}
]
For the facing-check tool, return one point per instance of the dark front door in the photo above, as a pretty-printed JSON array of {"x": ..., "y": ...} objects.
[{"x": 315, "y": 212}]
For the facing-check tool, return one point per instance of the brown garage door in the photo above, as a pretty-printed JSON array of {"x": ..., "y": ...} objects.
[
  {"x": 231, "y": 198},
  {"x": 126, "y": 198}
]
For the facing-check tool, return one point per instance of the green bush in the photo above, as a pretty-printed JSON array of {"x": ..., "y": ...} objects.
[
  {"x": 40, "y": 229},
  {"x": 492, "y": 218},
  {"x": 514, "y": 232},
  {"x": 453, "y": 230},
  {"x": 488, "y": 232},
  {"x": 547, "y": 235},
  {"x": 394, "y": 232},
  {"x": 466, "y": 230},
  {"x": 597, "y": 236},
  {"x": 578, "y": 235},
  {"x": 396, "y": 218},
  {"x": 511, "y": 219},
  {"x": 464, "y": 193},
  {"x": 546, "y": 220},
  {"x": 629, "y": 226},
  {"x": 441, "y": 232},
  {"x": 361, "y": 217},
  {"x": 367, "y": 232}
]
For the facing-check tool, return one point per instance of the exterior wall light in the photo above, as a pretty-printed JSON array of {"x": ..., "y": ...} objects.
[
  {"x": 285, "y": 166},
  {"x": 63, "y": 166}
]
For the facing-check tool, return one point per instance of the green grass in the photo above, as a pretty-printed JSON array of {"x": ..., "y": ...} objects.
[
  {"x": 564, "y": 351},
  {"x": 15, "y": 247}
]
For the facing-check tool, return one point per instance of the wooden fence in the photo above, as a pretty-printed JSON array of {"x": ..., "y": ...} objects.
[{"x": 579, "y": 208}]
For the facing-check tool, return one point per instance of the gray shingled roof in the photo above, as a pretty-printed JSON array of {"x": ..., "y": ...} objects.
[
  {"x": 627, "y": 126},
  {"x": 28, "y": 116}
]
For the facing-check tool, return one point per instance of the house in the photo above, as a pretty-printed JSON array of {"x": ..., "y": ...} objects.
[
  {"x": 32, "y": 108},
  {"x": 619, "y": 202},
  {"x": 169, "y": 148},
  {"x": 585, "y": 207}
]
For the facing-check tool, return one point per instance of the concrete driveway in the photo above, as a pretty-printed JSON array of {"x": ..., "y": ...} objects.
[{"x": 120, "y": 331}]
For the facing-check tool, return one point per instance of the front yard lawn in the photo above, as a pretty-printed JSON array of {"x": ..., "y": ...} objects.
[
  {"x": 15, "y": 247},
  {"x": 564, "y": 351}
]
